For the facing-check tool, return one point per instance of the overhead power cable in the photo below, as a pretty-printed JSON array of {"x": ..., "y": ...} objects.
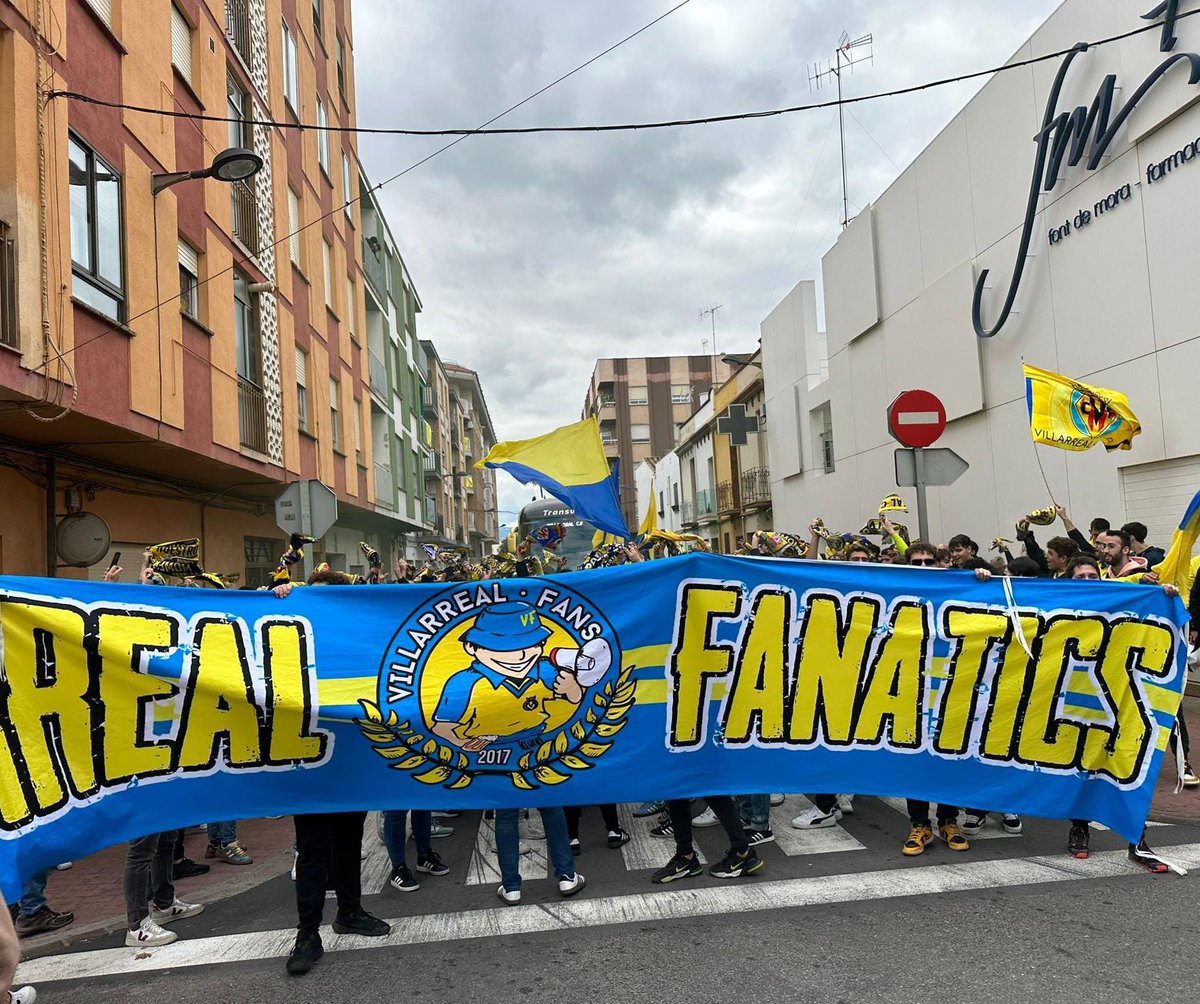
[
  {"x": 484, "y": 130},
  {"x": 411, "y": 167}
]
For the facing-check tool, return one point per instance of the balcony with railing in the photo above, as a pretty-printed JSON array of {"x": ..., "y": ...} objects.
[
  {"x": 8, "y": 289},
  {"x": 727, "y": 497},
  {"x": 385, "y": 486},
  {"x": 245, "y": 215},
  {"x": 459, "y": 535},
  {"x": 373, "y": 267},
  {"x": 429, "y": 402},
  {"x": 377, "y": 370},
  {"x": 756, "y": 488},
  {"x": 687, "y": 515},
  {"x": 237, "y": 27},
  {"x": 433, "y": 467},
  {"x": 252, "y": 416},
  {"x": 706, "y": 508}
]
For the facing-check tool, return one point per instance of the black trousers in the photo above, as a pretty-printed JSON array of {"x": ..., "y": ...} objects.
[
  {"x": 724, "y": 807},
  {"x": 328, "y": 852},
  {"x": 575, "y": 812},
  {"x": 918, "y": 813}
]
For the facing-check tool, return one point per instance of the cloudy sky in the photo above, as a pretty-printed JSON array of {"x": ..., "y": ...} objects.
[{"x": 535, "y": 255}]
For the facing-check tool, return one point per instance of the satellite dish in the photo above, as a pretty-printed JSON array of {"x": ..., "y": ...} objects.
[{"x": 82, "y": 539}]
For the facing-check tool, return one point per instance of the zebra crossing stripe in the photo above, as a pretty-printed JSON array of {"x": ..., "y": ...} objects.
[
  {"x": 799, "y": 843},
  {"x": 645, "y": 852},
  {"x": 484, "y": 868},
  {"x": 747, "y": 896}
]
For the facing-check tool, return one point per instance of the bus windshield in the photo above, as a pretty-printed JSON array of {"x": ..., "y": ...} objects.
[{"x": 579, "y": 533}]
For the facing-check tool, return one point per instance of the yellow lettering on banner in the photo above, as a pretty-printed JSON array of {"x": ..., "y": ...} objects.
[
  {"x": 14, "y": 806},
  {"x": 285, "y": 664},
  {"x": 1045, "y": 739},
  {"x": 1133, "y": 646},
  {"x": 693, "y": 661},
  {"x": 999, "y": 733},
  {"x": 128, "y": 694},
  {"x": 219, "y": 701},
  {"x": 48, "y": 676},
  {"x": 832, "y": 659},
  {"x": 896, "y": 681},
  {"x": 760, "y": 678},
  {"x": 977, "y": 632}
]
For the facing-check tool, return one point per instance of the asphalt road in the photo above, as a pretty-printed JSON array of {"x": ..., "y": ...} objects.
[{"x": 843, "y": 917}]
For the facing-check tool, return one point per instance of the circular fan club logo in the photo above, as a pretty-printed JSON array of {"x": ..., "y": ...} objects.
[
  {"x": 1093, "y": 417},
  {"x": 504, "y": 679}
]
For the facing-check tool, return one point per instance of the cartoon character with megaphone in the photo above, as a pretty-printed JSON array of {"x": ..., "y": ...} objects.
[{"x": 507, "y": 695}]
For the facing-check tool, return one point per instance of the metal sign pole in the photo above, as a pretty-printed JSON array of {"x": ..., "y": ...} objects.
[
  {"x": 306, "y": 528},
  {"x": 922, "y": 506}
]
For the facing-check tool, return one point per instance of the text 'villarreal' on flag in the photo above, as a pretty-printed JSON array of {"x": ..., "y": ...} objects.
[{"x": 1076, "y": 416}]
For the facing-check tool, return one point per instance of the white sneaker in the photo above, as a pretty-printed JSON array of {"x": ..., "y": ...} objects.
[
  {"x": 706, "y": 818},
  {"x": 777, "y": 799},
  {"x": 176, "y": 911},
  {"x": 972, "y": 823},
  {"x": 1010, "y": 822},
  {"x": 149, "y": 935},
  {"x": 571, "y": 885},
  {"x": 815, "y": 819},
  {"x": 438, "y": 830},
  {"x": 510, "y": 896},
  {"x": 846, "y": 804},
  {"x": 26, "y": 995}
]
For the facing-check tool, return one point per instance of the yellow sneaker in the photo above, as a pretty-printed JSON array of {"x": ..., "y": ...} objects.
[
  {"x": 920, "y": 837},
  {"x": 953, "y": 837}
]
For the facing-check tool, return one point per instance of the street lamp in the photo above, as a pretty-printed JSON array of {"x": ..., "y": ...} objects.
[
  {"x": 234, "y": 164},
  {"x": 730, "y": 359}
]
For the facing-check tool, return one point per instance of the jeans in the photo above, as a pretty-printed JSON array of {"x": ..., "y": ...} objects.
[
  {"x": 575, "y": 812},
  {"x": 149, "y": 862},
  {"x": 328, "y": 848},
  {"x": 918, "y": 813},
  {"x": 755, "y": 811},
  {"x": 680, "y": 811},
  {"x": 508, "y": 845},
  {"x": 394, "y": 835},
  {"x": 33, "y": 895},
  {"x": 222, "y": 833}
]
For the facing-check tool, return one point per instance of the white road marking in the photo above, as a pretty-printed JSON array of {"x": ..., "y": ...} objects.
[
  {"x": 645, "y": 852},
  {"x": 746, "y": 896},
  {"x": 989, "y": 832},
  {"x": 485, "y": 866},
  {"x": 798, "y": 843}
]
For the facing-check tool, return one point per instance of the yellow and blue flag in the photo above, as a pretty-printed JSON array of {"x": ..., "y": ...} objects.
[
  {"x": 571, "y": 465},
  {"x": 1076, "y": 416},
  {"x": 1178, "y": 567},
  {"x": 650, "y": 520}
]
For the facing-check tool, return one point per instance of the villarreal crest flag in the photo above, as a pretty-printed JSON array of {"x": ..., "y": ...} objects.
[{"x": 1076, "y": 416}]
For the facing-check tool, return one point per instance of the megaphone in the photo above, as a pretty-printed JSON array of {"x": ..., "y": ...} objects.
[{"x": 589, "y": 664}]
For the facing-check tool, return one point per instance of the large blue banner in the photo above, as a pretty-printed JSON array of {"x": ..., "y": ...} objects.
[{"x": 133, "y": 709}]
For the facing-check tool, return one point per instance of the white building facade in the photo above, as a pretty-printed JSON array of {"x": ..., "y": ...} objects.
[{"x": 1107, "y": 294}]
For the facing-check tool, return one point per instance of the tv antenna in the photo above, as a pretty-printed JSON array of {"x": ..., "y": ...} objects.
[
  {"x": 711, "y": 314},
  {"x": 850, "y": 52}
]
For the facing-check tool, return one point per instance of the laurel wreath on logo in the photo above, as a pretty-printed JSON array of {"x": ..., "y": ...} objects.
[{"x": 572, "y": 750}]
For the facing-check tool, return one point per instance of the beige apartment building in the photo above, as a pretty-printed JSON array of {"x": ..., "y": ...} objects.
[{"x": 640, "y": 402}]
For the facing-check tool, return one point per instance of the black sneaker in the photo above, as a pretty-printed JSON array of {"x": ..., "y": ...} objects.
[
  {"x": 737, "y": 864},
  {"x": 304, "y": 956},
  {"x": 617, "y": 838},
  {"x": 431, "y": 864},
  {"x": 361, "y": 922},
  {"x": 678, "y": 867},
  {"x": 187, "y": 868},
  {"x": 756, "y": 837},
  {"x": 1140, "y": 853},
  {"x": 1077, "y": 842},
  {"x": 41, "y": 922},
  {"x": 576, "y": 847},
  {"x": 402, "y": 880},
  {"x": 663, "y": 828}
]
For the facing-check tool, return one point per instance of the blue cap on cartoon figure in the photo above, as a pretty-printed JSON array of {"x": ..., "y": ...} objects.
[{"x": 507, "y": 627}]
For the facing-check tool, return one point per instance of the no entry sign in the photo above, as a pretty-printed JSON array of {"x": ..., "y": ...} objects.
[{"x": 917, "y": 418}]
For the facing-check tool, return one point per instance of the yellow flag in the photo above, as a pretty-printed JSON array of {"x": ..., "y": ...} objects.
[
  {"x": 650, "y": 521},
  {"x": 1076, "y": 416}
]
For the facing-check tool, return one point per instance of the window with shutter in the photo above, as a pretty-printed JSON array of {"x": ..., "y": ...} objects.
[
  {"x": 294, "y": 227},
  {"x": 181, "y": 44},
  {"x": 358, "y": 431},
  {"x": 291, "y": 86},
  {"x": 350, "y": 311},
  {"x": 327, "y": 263},
  {"x": 189, "y": 280},
  {"x": 103, "y": 9},
  {"x": 302, "y": 389},
  {"x": 335, "y": 418}
]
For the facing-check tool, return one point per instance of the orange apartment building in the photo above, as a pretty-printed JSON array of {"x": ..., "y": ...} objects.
[{"x": 172, "y": 354}]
